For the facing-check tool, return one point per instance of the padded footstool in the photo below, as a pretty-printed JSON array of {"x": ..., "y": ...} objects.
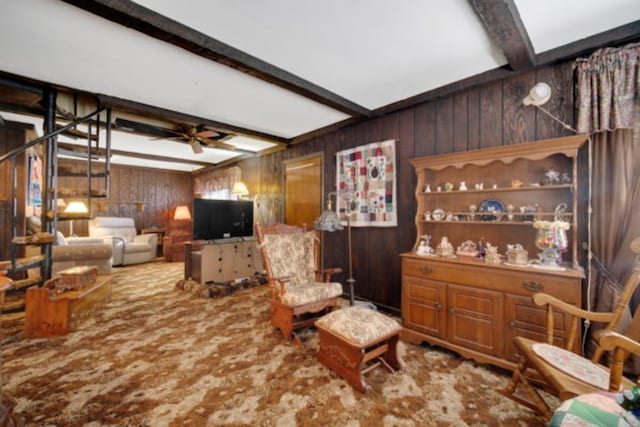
[{"x": 355, "y": 340}]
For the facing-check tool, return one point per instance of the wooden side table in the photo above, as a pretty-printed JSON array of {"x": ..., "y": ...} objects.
[{"x": 160, "y": 232}]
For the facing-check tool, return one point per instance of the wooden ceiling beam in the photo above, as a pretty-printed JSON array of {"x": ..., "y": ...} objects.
[
  {"x": 176, "y": 117},
  {"x": 502, "y": 21},
  {"x": 81, "y": 149},
  {"x": 611, "y": 38},
  {"x": 139, "y": 18}
]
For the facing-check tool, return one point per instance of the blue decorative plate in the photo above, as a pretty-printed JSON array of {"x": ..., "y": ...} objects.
[{"x": 492, "y": 210}]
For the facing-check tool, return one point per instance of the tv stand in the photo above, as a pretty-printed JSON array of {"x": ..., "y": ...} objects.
[{"x": 221, "y": 260}]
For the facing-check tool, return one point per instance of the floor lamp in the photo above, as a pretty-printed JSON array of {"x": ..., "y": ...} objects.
[{"x": 330, "y": 221}]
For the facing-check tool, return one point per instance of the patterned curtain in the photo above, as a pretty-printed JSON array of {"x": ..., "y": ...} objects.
[
  {"x": 216, "y": 180},
  {"x": 607, "y": 89},
  {"x": 608, "y": 103}
]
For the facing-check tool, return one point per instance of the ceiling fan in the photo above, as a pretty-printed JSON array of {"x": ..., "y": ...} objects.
[{"x": 195, "y": 136}]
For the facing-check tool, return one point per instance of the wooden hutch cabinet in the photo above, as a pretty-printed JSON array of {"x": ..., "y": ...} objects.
[{"x": 463, "y": 303}]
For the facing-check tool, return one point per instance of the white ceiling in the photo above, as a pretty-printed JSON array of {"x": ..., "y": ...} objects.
[{"x": 371, "y": 52}]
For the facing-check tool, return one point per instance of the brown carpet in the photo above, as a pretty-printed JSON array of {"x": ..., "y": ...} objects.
[{"x": 159, "y": 356}]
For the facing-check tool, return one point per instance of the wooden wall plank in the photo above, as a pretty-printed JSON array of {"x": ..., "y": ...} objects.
[
  {"x": 425, "y": 130},
  {"x": 473, "y": 118},
  {"x": 491, "y": 115},
  {"x": 519, "y": 120},
  {"x": 461, "y": 121},
  {"x": 444, "y": 125}
]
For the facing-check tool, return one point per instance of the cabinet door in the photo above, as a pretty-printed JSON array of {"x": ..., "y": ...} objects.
[
  {"x": 476, "y": 319},
  {"x": 525, "y": 319},
  {"x": 423, "y": 305}
]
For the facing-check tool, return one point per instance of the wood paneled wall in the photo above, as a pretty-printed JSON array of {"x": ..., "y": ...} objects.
[
  {"x": 484, "y": 116},
  {"x": 160, "y": 190}
]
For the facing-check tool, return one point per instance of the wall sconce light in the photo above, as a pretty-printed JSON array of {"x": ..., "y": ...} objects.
[
  {"x": 540, "y": 95},
  {"x": 239, "y": 189},
  {"x": 182, "y": 213}
]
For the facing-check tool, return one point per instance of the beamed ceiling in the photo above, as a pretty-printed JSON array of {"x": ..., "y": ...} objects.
[{"x": 260, "y": 75}]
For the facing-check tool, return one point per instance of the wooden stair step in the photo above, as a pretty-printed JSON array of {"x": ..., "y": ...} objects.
[
  {"x": 22, "y": 284},
  {"x": 21, "y": 263},
  {"x": 11, "y": 323},
  {"x": 12, "y": 303}
]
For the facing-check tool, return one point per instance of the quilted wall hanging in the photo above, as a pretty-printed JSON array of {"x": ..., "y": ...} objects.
[{"x": 366, "y": 184}]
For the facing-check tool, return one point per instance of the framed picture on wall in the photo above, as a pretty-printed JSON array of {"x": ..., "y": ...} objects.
[{"x": 35, "y": 181}]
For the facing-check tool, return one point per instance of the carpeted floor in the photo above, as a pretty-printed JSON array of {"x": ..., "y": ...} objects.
[{"x": 160, "y": 356}]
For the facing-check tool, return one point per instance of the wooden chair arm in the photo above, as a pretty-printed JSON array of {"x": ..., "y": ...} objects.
[
  {"x": 325, "y": 274},
  {"x": 622, "y": 346},
  {"x": 610, "y": 340},
  {"x": 546, "y": 299},
  {"x": 542, "y": 299}
]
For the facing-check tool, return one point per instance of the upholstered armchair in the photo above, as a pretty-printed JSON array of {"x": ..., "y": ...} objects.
[
  {"x": 179, "y": 231},
  {"x": 128, "y": 246},
  {"x": 300, "y": 293}
]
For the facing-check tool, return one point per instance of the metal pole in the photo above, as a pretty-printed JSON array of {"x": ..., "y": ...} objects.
[{"x": 350, "y": 280}]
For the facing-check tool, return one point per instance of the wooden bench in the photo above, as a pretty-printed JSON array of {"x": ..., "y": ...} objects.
[
  {"x": 50, "y": 313},
  {"x": 355, "y": 340}
]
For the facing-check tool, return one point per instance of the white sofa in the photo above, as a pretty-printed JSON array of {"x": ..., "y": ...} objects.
[
  {"x": 81, "y": 251},
  {"x": 128, "y": 246}
]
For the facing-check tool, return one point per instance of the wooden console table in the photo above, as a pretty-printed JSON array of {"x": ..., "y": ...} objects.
[
  {"x": 221, "y": 260},
  {"x": 50, "y": 314}
]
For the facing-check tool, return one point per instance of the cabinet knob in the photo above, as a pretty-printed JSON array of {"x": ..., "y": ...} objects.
[
  {"x": 438, "y": 306},
  {"x": 426, "y": 269},
  {"x": 452, "y": 310},
  {"x": 533, "y": 286},
  {"x": 512, "y": 324}
]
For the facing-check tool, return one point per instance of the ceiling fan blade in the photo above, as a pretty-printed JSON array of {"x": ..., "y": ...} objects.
[
  {"x": 195, "y": 145},
  {"x": 207, "y": 133},
  {"x": 217, "y": 144}
]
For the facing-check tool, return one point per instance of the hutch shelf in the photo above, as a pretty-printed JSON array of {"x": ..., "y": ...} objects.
[{"x": 492, "y": 195}]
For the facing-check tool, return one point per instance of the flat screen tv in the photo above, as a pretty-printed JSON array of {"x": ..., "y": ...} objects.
[{"x": 221, "y": 219}]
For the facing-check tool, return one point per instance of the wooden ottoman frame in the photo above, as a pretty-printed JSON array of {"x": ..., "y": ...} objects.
[{"x": 351, "y": 360}]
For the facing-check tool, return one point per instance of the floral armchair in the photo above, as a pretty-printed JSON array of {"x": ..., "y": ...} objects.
[{"x": 299, "y": 292}]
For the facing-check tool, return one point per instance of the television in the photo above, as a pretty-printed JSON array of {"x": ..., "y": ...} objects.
[{"x": 221, "y": 219}]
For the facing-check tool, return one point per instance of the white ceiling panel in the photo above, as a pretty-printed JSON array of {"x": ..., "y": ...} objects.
[
  {"x": 553, "y": 23},
  {"x": 65, "y": 45},
  {"x": 369, "y": 52},
  {"x": 373, "y": 52}
]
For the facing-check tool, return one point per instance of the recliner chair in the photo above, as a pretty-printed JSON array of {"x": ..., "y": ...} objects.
[{"x": 128, "y": 246}]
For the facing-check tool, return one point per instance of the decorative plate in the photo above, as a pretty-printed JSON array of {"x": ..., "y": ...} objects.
[
  {"x": 492, "y": 210},
  {"x": 438, "y": 214}
]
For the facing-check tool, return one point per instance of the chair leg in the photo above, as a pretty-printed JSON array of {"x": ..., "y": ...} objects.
[{"x": 536, "y": 402}]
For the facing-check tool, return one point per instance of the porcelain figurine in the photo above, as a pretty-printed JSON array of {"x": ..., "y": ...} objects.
[
  {"x": 479, "y": 186},
  {"x": 448, "y": 186},
  {"x": 427, "y": 188},
  {"x": 491, "y": 255},
  {"x": 510, "y": 208},
  {"x": 445, "y": 248},
  {"x": 424, "y": 248},
  {"x": 463, "y": 186},
  {"x": 472, "y": 212}
]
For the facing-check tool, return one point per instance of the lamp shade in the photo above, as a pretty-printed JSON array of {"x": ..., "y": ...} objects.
[
  {"x": 182, "y": 213},
  {"x": 76, "y": 207},
  {"x": 538, "y": 95},
  {"x": 328, "y": 219},
  {"x": 240, "y": 189}
]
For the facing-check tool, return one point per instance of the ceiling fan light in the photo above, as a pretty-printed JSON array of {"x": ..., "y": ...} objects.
[{"x": 538, "y": 95}]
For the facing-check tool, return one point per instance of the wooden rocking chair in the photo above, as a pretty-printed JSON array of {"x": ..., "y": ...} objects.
[
  {"x": 567, "y": 374},
  {"x": 300, "y": 294}
]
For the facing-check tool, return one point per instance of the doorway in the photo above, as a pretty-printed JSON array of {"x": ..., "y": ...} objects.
[{"x": 303, "y": 190}]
